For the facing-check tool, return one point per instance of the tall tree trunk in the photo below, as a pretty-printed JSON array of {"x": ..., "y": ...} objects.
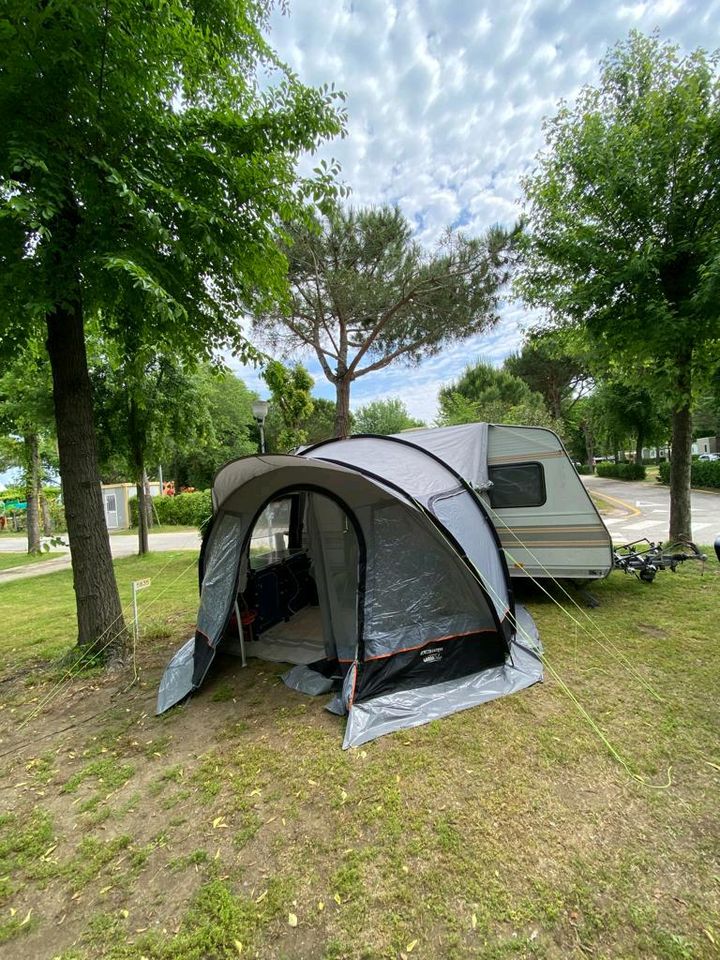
[
  {"x": 101, "y": 628},
  {"x": 556, "y": 402},
  {"x": 32, "y": 489},
  {"x": 46, "y": 517},
  {"x": 681, "y": 456},
  {"x": 137, "y": 452},
  {"x": 639, "y": 448},
  {"x": 342, "y": 407},
  {"x": 589, "y": 445},
  {"x": 143, "y": 544}
]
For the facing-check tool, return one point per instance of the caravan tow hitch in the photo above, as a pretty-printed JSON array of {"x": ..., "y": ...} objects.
[{"x": 644, "y": 558}]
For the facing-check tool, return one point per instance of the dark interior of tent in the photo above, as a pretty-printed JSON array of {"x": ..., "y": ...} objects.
[{"x": 298, "y": 602}]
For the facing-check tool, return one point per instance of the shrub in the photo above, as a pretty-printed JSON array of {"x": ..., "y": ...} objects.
[
  {"x": 185, "y": 509},
  {"x": 584, "y": 469},
  {"x": 621, "y": 471},
  {"x": 703, "y": 473},
  {"x": 57, "y": 515}
]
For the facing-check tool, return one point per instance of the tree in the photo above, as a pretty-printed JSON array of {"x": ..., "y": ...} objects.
[
  {"x": 143, "y": 174},
  {"x": 629, "y": 411},
  {"x": 549, "y": 366},
  {"x": 230, "y": 433},
  {"x": 320, "y": 425},
  {"x": 384, "y": 417},
  {"x": 364, "y": 294},
  {"x": 487, "y": 394},
  {"x": 581, "y": 431},
  {"x": 149, "y": 406},
  {"x": 291, "y": 400},
  {"x": 26, "y": 421},
  {"x": 622, "y": 225}
]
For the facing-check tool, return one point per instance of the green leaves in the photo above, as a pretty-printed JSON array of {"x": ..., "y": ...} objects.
[
  {"x": 137, "y": 140},
  {"x": 290, "y": 390},
  {"x": 624, "y": 206},
  {"x": 384, "y": 417},
  {"x": 486, "y": 394}
]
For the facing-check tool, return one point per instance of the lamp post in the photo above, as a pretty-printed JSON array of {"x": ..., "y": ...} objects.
[{"x": 259, "y": 411}]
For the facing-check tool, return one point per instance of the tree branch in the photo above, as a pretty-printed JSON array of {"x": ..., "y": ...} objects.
[{"x": 384, "y": 361}]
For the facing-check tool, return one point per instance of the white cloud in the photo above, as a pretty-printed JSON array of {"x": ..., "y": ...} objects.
[{"x": 445, "y": 102}]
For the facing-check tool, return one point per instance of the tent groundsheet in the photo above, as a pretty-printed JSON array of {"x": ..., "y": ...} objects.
[{"x": 403, "y": 709}]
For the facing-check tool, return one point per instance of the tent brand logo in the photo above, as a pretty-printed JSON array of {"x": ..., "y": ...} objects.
[{"x": 432, "y": 654}]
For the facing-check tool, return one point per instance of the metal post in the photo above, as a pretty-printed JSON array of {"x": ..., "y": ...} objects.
[
  {"x": 241, "y": 635},
  {"x": 160, "y": 478},
  {"x": 259, "y": 411},
  {"x": 137, "y": 586},
  {"x": 136, "y": 624}
]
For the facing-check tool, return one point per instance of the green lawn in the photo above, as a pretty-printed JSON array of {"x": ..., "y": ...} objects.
[
  {"x": 157, "y": 528},
  {"x": 39, "y": 614},
  {"x": 603, "y": 506},
  {"x": 235, "y": 826},
  {"x": 8, "y": 560}
]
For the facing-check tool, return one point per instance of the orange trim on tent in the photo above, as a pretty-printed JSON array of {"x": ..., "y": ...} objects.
[{"x": 419, "y": 646}]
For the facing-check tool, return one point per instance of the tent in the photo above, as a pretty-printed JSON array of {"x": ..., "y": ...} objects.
[{"x": 372, "y": 566}]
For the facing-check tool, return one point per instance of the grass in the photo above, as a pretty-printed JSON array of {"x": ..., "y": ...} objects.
[
  {"x": 7, "y": 533},
  {"x": 603, "y": 506},
  {"x": 39, "y": 615},
  {"x": 237, "y": 827},
  {"x": 10, "y": 560},
  {"x": 157, "y": 528}
]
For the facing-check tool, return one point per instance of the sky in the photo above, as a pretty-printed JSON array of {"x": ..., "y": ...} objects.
[{"x": 446, "y": 100}]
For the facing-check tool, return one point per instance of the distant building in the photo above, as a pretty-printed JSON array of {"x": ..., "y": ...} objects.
[
  {"x": 116, "y": 502},
  {"x": 706, "y": 445},
  {"x": 656, "y": 453}
]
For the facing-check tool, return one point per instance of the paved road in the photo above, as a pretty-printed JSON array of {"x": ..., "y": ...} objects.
[
  {"x": 122, "y": 545},
  {"x": 647, "y": 510}
]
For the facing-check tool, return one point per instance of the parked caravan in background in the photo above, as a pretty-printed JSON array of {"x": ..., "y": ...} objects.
[
  {"x": 544, "y": 516},
  {"x": 546, "y": 521}
]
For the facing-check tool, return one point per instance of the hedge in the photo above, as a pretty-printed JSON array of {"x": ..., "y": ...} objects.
[
  {"x": 621, "y": 471},
  {"x": 183, "y": 510},
  {"x": 703, "y": 473},
  {"x": 584, "y": 469}
]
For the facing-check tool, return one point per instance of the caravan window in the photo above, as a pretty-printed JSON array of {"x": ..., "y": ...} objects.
[{"x": 517, "y": 485}]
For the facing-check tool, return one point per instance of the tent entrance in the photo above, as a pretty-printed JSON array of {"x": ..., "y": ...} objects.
[{"x": 299, "y": 601}]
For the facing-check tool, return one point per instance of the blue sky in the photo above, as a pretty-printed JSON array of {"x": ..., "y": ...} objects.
[{"x": 446, "y": 100}]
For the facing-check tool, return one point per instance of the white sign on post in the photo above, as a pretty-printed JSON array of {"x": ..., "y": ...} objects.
[{"x": 137, "y": 586}]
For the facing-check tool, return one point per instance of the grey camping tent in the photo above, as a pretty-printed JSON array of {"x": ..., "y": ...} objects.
[{"x": 371, "y": 565}]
